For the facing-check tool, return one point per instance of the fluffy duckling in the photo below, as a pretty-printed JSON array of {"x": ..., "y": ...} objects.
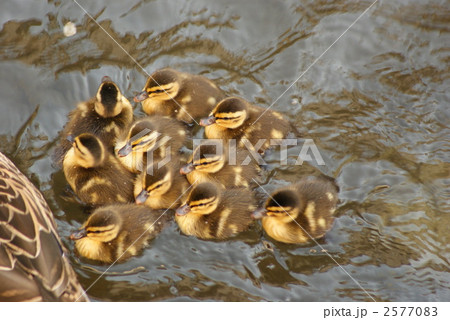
[
  {"x": 161, "y": 188},
  {"x": 158, "y": 137},
  {"x": 106, "y": 116},
  {"x": 212, "y": 212},
  {"x": 299, "y": 212},
  {"x": 95, "y": 175},
  {"x": 118, "y": 232},
  {"x": 33, "y": 261},
  {"x": 219, "y": 164},
  {"x": 179, "y": 95},
  {"x": 235, "y": 118}
]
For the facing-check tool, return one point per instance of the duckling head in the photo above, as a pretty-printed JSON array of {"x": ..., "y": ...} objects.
[
  {"x": 203, "y": 199},
  {"x": 154, "y": 183},
  {"x": 102, "y": 226},
  {"x": 142, "y": 137},
  {"x": 284, "y": 205},
  {"x": 108, "y": 100},
  {"x": 89, "y": 151},
  {"x": 229, "y": 113},
  {"x": 161, "y": 85},
  {"x": 207, "y": 158}
]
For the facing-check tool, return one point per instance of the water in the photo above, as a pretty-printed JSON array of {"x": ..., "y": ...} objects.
[{"x": 376, "y": 105}]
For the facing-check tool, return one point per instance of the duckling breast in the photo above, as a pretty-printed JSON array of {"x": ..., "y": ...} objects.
[{"x": 94, "y": 250}]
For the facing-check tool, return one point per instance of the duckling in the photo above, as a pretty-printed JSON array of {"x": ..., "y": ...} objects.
[
  {"x": 212, "y": 212},
  {"x": 156, "y": 136},
  {"x": 118, "y": 232},
  {"x": 106, "y": 115},
  {"x": 161, "y": 188},
  {"x": 235, "y": 118},
  {"x": 95, "y": 175},
  {"x": 34, "y": 264},
  {"x": 180, "y": 95},
  {"x": 210, "y": 162},
  {"x": 299, "y": 212}
]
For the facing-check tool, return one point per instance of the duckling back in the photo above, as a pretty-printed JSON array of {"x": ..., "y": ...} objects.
[
  {"x": 33, "y": 261},
  {"x": 161, "y": 187},
  {"x": 300, "y": 212},
  {"x": 230, "y": 214},
  {"x": 118, "y": 232},
  {"x": 230, "y": 167},
  {"x": 183, "y": 96},
  {"x": 99, "y": 183},
  {"x": 252, "y": 126},
  {"x": 106, "y": 115},
  {"x": 150, "y": 140}
]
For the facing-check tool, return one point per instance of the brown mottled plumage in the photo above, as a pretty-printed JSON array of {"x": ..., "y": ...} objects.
[
  {"x": 299, "y": 212},
  {"x": 218, "y": 163},
  {"x": 211, "y": 212},
  {"x": 95, "y": 175},
  {"x": 157, "y": 137},
  {"x": 33, "y": 265},
  {"x": 118, "y": 232},
  {"x": 106, "y": 115},
  {"x": 179, "y": 95},
  {"x": 235, "y": 118},
  {"x": 161, "y": 188}
]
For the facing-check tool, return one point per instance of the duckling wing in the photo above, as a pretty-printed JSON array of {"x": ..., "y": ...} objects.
[{"x": 33, "y": 266}]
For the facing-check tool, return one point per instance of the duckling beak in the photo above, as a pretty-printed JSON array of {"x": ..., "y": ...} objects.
[
  {"x": 78, "y": 235},
  {"x": 204, "y": 122},
  {"x": 141, "y": 96},
  {"x": 142, "y": 197},
  {"x": 187, "y": 168},
  {"x": 259, "y": 214},
  {"x": 125, "y": 150},
  {"x": 70, "y": 138},
  {"x": 106, "y": 79},
  {"x": 183, "y": 210}
]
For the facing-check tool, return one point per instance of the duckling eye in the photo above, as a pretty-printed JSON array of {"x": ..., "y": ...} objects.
[
  {"x": 94, "y": 231},
  {"x": 139, "y": 143},
  {"x": 199, "y": 205},
  {"x": 157, "y": 186},
  {"x": 228, "y": 118},
  {"x": 157, "y": 91}
]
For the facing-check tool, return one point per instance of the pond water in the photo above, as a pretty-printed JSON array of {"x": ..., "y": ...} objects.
[{"x": 376, "y": 104}]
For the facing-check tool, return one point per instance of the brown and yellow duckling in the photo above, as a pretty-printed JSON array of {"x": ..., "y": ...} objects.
[
  {"x": 95, "y": 175},
  {"x": 299, "y": 212},
  {"x": 106, "y": 116},
  {"x": 156, "y": 137},
  {"x": 33, "y": 261},
  {"x": 214, "y": 163},
  {"x": 211, "y": 212},
  {"x": 161, "y": 188},
  {"x": 118, "y": 232},
  {"x": 179, "y": 95},
  {"x": 235, "y": 118}
]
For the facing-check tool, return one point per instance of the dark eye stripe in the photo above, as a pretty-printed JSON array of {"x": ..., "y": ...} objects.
[
  {"x": 157, "y": 186},
  {"x": 139, "y": 143},
  {"x": 228, "y": 118},
  {"x": 202, "y": 204},
  {"x": 205, "y": 163},
  {"x": 156, "y": 91},
  {"x": 280, "y": 210},
  {"x": 110, "y": 228},
  {"x": 78, "y": 148}
]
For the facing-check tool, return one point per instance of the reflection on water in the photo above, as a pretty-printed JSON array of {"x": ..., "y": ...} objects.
[{"x": 376, "y": 105}]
